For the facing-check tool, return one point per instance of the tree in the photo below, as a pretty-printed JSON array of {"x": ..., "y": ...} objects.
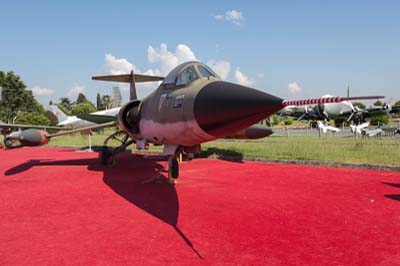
[
  {"x": 66, "y": 103},
  {"x": 379, "y": 120},
  {"x": 359, "y": 105},
  {"x": 99, "y": 103},
  {"x": 32, "y": 118},
  {"x": 15, "y": 97},
  {"x": 81, "y": 98},
  {"x": 378, "y": 103},
  {"x": 51, "y": 102},
  {"x": 83, "y": 108},
  {"x": 64, "y": 109},
  {"x": 397, "y": 103},
  {"x": 106, "y": 99}
]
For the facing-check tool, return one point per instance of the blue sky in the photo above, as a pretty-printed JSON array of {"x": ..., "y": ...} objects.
[{"x": 310, "y": 47}]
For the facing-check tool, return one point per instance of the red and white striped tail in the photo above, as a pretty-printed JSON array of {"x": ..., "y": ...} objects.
[{"x": 328, "y": 100}]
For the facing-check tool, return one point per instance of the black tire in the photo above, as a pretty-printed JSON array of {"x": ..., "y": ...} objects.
[
  {"x": 173, "y": 168},
  {"x": 105, "y": 154},
  {"x": 8, "y": 143}
]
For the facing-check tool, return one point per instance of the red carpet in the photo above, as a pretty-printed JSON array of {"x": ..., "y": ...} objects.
[{"x": 59, "y": 207}]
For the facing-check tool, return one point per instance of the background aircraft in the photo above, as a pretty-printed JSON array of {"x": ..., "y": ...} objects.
[
  {"x": 191, "y": 106},
  {"x": 343, "y": 109},
  {"x": 86, "y": 120},
  {"x": 326, "y": 128},
  {"x": 15, "y": 135}
]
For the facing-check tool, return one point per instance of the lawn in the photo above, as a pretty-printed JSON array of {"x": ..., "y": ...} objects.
[{"x": 385, "y": 151}]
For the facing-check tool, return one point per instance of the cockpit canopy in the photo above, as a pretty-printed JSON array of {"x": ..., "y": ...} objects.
[{"x": 186, "y": 73}]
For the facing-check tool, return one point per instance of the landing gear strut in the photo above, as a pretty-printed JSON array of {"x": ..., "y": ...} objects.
[{"x": 107, "y": 154}]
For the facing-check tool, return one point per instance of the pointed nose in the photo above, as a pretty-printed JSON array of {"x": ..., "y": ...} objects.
[{"x": 223, "y": 108}]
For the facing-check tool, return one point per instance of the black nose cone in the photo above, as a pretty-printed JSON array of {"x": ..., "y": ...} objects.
[{"x": 223, "y": 108}]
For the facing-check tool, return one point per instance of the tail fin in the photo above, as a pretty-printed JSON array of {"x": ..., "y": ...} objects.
[
  {"x": 129, "y": 78},
  {"x": 61, "y": 116}
]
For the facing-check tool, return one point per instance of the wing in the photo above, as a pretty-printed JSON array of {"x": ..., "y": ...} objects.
[
  {"x": 104, "y": 125},
  {"x": 19, "y": 126},
  {"x": 98, "y": 119},
  {"x": 328, "y": 100}
]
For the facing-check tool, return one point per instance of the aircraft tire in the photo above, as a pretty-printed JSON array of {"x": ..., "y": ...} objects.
[
  {"x": 173, "y": 167},
  {"x": 8, "y": 143},
  {"x": 105, "y": 154}
]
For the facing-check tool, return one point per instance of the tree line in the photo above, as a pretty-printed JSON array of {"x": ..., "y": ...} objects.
[{"x": 18, "y": 105}]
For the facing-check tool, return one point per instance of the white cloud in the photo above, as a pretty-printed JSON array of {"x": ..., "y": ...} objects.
[
  {"x": 167, "y": 59},
  {"x": 118, "y": 66},
  {"x": 75, "y": 90},
  {"x": 234, "y": 16},
  {"x": 294, "y": 88},
  {"x": 39, "y": 91},
  {"x": 221, "y": 67},
  {"x": 242, "y": 79}
]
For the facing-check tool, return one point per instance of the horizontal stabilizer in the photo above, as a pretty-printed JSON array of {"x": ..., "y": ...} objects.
[
  {"x": 98, "y": 119},
  {"x": 127, "y": 78}
]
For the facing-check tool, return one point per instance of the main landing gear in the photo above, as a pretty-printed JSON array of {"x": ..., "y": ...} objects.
[
  {"x": 173, "y": 156},
  {"x": 173, "y": 169},
  {"x": 107, "y": 154}
]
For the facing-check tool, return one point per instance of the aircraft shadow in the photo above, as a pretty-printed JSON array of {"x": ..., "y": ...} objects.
[
  {"x": 392, "y": 196},
  {"x": 391, "y": 184},
  {"x": 129, "y": 180},
  {"x": 222, "y": 154}
]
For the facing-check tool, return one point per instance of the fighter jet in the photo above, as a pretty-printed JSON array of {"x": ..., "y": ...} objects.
[{"x": 191, "y": 106}]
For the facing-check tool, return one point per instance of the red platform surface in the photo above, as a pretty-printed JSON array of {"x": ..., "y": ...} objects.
[{"x": 60, "y": 207}]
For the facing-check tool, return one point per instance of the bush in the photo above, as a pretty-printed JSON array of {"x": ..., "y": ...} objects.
[
  {"x": 379, "y": 120},
  {"x": 83, "y": 108},
  {"x": 275, "y": 120},
  {"x": 289, "y": 121},
  {"x": 32, "y": 118},
  {"x": 339, "y": 121}
]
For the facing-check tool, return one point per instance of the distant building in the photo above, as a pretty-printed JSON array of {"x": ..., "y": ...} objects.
[{"x": 116, "y": 98}]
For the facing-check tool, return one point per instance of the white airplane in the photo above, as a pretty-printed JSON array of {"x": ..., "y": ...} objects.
[
  {"x": 324, "y": 111},
  {"x": 358, "y": 129},
  {"x": 74, "y": 121},
  {"x": 325, "y": 128}
]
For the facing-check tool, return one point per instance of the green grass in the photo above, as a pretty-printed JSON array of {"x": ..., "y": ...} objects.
[{"x": 385, "y": 151}]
